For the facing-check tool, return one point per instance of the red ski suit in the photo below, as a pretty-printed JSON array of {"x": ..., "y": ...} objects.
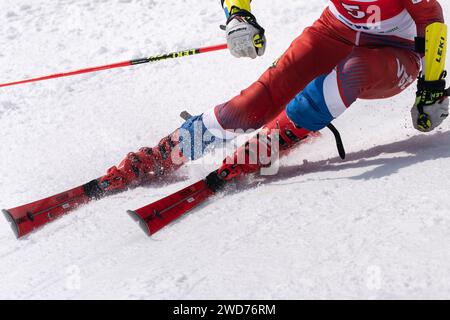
[{"x": 366, "y": 48}]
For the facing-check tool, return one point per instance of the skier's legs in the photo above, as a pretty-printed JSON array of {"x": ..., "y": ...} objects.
[
  {"x": 308, "y": 57},
  {"x": 365, "y": 74}
]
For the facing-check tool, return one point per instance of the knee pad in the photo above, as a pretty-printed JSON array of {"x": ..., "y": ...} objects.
[{"x": 308, "y": 109}]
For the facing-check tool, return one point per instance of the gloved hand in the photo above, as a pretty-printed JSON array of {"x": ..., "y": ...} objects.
[
  {"x": 245, "y": 37},
  {"x": 432, "y": 105}
]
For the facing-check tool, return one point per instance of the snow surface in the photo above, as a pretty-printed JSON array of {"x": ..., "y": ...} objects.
[{"x": 375, "y": 226}]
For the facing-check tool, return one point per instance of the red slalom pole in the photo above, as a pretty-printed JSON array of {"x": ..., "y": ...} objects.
[{"x": 167, "y": 56}]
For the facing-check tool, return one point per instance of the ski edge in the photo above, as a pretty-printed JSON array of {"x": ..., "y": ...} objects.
[
  {"x": 12, "y": 222},
  {"x": 142, "y": 224}
]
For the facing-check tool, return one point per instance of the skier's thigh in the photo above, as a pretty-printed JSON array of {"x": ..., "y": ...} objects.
[
  {"x": 376, "y": 73},
  {"x": 366, "y": 74}
]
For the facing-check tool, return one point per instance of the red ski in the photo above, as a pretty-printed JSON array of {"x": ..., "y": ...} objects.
[
  {"x": 159, "y": 214},
  {"x": 26, "y": 218}
]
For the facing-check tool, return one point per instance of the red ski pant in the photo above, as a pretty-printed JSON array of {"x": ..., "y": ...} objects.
[{"x": 361, "y": 70}]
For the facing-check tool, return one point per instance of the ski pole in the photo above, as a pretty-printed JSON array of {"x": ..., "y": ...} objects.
[{"x": 167, "y": 56}]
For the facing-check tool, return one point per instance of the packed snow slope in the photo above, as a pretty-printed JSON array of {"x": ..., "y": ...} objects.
[{"x": 374, "y": 226}]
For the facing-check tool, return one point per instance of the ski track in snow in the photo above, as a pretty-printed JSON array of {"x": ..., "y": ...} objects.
[{"x": 374, "y": 226}]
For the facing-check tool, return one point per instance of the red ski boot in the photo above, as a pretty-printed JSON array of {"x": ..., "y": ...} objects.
[
  {"x": 260, "y": 151},
  {"x": 145, "y": 166}
]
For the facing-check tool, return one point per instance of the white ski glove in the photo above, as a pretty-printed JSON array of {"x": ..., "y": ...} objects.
[
  {"x": 432, "y": 105},
  {"x": 245, "y": 37}
]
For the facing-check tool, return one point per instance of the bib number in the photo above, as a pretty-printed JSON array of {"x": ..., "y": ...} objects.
[{"x": 354, "y": 11}]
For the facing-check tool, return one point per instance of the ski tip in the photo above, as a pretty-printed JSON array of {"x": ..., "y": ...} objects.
[
  {"x": 142, "y": 224},
  {"x": 13, "y": 223}
]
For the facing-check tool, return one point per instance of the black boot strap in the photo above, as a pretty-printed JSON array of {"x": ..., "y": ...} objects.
[{"x": 339, "y": 143}]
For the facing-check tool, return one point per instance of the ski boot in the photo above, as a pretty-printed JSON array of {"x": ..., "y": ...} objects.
[
  {"x": 275, "y": 140},
  {"x": 143, "y": 167}
]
